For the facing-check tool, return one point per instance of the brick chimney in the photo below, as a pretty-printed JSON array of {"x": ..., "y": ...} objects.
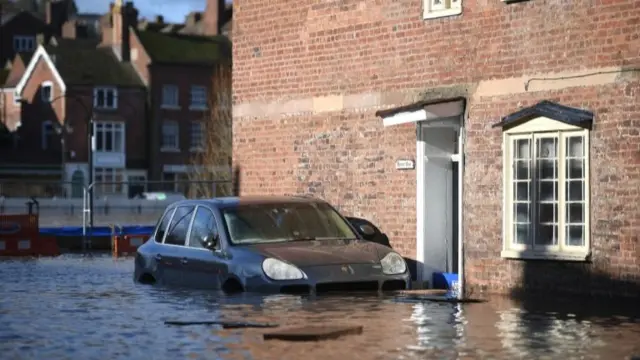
[
  {"x": 122, "y": 17},
  {"x": 48, "y": 12},
  {"x": 212, "y": 14}
]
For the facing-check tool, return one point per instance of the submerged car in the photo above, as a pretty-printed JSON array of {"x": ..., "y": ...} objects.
[{"x": 266, "y": 244}]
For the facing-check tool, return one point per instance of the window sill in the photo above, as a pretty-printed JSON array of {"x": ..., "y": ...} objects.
[
  {"x": 105, "y": 108},
  {"x": 197, "y": 108},
  {"x": 577, "y": 256},
  {"x": 170, "y": 107},
  {"x": 196, "y": 150},
  {"x": 170, "y": 150},
  {"x": 441, "y": 13}
]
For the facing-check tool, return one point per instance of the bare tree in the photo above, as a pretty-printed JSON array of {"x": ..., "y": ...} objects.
[{"x": 211, "y": 174}]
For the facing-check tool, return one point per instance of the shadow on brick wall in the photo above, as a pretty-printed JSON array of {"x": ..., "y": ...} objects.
[
  {"x": 553, "y": 291},
  {"x": 574, "y": 279}
]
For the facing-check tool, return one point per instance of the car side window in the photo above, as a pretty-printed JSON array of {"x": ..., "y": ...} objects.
[
  {"x": 177, "y": 232},
  {"x": 204, "y": 224},
  {"x": 162, "y": 226}
]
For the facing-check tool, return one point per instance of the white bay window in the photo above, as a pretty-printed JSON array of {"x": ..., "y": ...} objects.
[
  {"x": 546, "y": 190},
  {"x": 109, "y": 136},
  {"x": 109, "y": 181}
]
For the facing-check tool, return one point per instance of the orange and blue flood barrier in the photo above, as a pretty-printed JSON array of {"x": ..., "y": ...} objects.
[
  {"x": 20, "y": 236},
  {"x": 120, "y": 241}
]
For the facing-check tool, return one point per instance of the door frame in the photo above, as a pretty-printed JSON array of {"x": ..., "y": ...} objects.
[{"x": 458, "y": 123}]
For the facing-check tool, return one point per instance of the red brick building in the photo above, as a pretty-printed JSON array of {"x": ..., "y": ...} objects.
[
  {"x": 178, "y": 62},
  {"x": 66, "y": 83},
  {"x": 504, "y": 132},
  {"x": 147, "y": 88}
]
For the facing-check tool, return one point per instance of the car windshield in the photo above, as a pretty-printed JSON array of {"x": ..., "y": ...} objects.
[{"x": 280, "y": 222}]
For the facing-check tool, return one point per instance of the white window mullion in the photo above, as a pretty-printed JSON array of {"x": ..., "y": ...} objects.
[
  {"x": 562, "y": 203},
  {"x": 532, "y": 192}
]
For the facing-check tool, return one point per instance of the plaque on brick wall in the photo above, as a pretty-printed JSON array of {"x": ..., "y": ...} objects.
[{"x": 404, "y": 164}]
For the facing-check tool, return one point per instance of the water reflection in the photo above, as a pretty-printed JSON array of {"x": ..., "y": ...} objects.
[{"x": 89, "y": 308}]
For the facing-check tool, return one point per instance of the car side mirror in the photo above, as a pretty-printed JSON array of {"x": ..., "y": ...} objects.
[
  {"x": 210, "y": 241},
  {"x": 367, "y": 231}
]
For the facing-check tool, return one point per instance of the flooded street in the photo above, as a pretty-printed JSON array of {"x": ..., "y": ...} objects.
[{"x": 89, "y": 308}]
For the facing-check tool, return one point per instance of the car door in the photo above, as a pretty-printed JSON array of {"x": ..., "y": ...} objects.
[
  {"x": 154, "y": 253},
  {"x": 173, "y": 255},
  {"x": 205, "y": 268}
]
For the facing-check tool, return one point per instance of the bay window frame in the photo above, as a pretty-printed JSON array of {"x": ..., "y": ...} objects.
[{"x": 533, "y": 129}]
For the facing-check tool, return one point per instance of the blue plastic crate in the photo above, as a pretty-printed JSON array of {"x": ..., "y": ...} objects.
[{"x": 447, "y": 281}]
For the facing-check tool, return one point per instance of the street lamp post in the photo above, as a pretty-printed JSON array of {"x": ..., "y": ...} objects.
[
  {"x": 90, "y": 146},
  {"x": 91, "y": 149}
]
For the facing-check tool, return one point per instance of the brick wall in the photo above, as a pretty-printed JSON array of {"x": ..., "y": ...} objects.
[
  {"x": 308, "y": 79},
  {"x": 355, "y": 46}
]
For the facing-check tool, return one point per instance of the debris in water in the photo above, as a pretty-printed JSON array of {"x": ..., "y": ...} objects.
[
  {"x": 314, "y": 333},
  {"x": 224, "y": 324}
]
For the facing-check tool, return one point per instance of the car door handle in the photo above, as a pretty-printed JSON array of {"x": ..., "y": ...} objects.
[
  {"x": 184, "y": 261},
  {"x": 158, "y": 257}
]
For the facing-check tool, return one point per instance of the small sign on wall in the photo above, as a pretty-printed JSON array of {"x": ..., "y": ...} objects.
[{"x": 405, "y": 164}]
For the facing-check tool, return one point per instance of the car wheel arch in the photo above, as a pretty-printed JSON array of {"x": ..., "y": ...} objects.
[
  {"x": 147, "y": 279},
  {"x": 232, "y": 285}
]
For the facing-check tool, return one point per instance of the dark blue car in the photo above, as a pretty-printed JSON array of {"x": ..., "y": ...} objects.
[{"x": 266, "y": 244}]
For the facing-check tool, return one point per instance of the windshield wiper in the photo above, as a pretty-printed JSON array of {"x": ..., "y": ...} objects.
[
  {"x": 311, "y": 238},
  {"x": 305, "y": 238}
]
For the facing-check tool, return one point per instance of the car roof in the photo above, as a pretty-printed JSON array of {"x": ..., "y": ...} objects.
[{"x": 232, "y": 201}]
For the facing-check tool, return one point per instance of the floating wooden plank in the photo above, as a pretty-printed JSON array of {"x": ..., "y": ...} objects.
[
  {"x": 224, "y": 324},
  {"x": 443, "y": 299},
  {"x": 422, "y": 292},
  {"x": 314, "y": 332}
]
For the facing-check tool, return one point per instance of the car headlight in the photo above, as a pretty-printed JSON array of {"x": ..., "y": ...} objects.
[
  {"x": 393, "y": 264},
  {"x": 280, "y": 270}
]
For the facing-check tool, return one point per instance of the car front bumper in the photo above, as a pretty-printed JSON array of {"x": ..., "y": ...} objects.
[{"x": 334, "y": 278}]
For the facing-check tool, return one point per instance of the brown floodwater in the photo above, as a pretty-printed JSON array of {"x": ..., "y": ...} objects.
[{"x": 78, "y": 307}]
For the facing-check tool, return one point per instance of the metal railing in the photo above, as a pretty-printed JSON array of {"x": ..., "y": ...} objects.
[{"x": 122, "y": 203}]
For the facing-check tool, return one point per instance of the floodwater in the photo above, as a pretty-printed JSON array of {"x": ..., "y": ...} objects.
[{"x": 75, "y": 307}]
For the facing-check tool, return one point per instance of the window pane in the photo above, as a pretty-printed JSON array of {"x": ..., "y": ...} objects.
[
  {"x": 575, "y": 206},
  {"x": 100, "y": 98},
  {"x": 575, "y": 169},
  {"x": 108, "y": 140},
  {"x": 99, "y": 135},
  {"x": 547, "y": 191},
  {"x": 177, "y": 233},
  {"x": 521, "y": 213},
  {"x": 521, "y": 191},
  {"x": 204, "y": 224},
  {"x": 521, "y": 234},
  {"x": 169, "y": 134},
  {"x": 575, "y": 147},
  {"x": 575, "y": 235},
  {"x": 163, "y": 225},
  {"x": 196, "y": 135},
  {"x": 118, "y": 178},
  {"x": 522, "y": 170},
  {"x": 118, "y": 139},
  {"x": 575, "y": 190},
  {"x": 523, "y": 149},
  {"x": 575, "y": 213},
  {"x": 110, "y": 99}
]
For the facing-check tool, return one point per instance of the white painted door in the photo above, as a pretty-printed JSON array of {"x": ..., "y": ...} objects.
[{"x": 438, "y": 175}]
